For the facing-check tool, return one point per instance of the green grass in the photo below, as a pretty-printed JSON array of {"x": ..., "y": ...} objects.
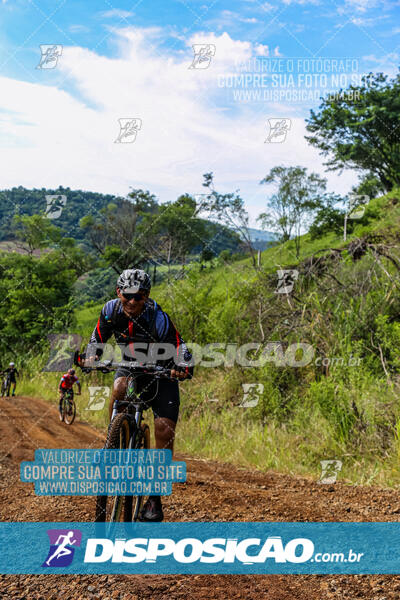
[
  {"x": 351, "y": 414},
  {"x": 221, "y": 430}
]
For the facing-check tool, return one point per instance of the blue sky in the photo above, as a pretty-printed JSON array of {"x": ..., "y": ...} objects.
[{"x": 132, "y": 59}]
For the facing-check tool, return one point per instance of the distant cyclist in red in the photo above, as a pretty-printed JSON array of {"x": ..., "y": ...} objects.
[{"x": 66, "y": 383}]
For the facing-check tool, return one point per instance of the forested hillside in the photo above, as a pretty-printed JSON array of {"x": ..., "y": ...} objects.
[{"x": 79, "y": 204}]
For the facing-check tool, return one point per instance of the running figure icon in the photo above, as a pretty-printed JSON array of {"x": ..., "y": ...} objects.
[{"x": 61, "y": 552}]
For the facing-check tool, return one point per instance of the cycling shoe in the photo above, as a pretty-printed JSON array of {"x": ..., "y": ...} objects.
[{"x": 152, "y": 510}]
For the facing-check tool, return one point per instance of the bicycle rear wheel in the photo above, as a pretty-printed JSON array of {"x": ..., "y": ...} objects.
[{"x": 111, "y": 508}]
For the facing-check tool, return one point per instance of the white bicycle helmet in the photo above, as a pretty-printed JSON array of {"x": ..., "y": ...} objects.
[{"x": 132, "y": 280}]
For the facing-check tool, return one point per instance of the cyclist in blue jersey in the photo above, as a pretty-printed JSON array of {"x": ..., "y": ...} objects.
[{"x": 146, "y": 334}]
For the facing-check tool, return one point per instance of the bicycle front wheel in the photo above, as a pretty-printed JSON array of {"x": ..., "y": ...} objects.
[
  {"x": 69, "y": 410},
  {"x": 5, "y": 388},
  {"x": 111, "y": 508},
  {"x": 133, "y": 504}
]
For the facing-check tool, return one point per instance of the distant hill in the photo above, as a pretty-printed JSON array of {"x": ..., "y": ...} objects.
[
  {"x": 262, "y": 239},
  {"x": 79, "y": 203},
  {"x": 29, "y": 202}
]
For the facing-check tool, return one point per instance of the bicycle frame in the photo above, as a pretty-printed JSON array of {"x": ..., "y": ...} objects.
[
  {"x": 134, "y": 407},
  {"x": 129, "y": 410},
  {"x": 133, "y": 368}
]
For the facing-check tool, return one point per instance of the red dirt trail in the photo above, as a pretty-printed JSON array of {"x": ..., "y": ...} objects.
[{"x": 213, "y": 492}]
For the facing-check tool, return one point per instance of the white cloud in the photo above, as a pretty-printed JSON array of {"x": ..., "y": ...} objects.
[
  {"x": 302, "y": 1},
  {"x": 78, "y": 28},
  {"x": 50, "y": 137},
  {"x": 228, "y": 19},
  {"x": 381, "y": 60},
  {"x": 361, "y": 5},
  {"x": 262, "y": 50},
  {"x": 387, "y": 63},
  {"x": 363, "y": 21},
  {"x": 116, "y": 13},
  {"x": 267, "y": 7}
]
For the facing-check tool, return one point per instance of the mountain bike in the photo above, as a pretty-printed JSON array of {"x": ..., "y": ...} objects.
[
  {"x": 6, "y": 385},
  {"x": 68, "y": 407},
  {"x": 127, "y": 431}
]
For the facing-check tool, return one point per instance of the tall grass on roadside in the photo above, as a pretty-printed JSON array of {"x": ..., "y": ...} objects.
[{"x": 343, "y": 405}]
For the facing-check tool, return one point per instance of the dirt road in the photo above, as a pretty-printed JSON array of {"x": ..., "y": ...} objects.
[{"x": 213, "y": 492}]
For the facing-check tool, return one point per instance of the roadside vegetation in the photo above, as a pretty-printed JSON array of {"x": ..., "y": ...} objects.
[{"x": 343, "y": 302}]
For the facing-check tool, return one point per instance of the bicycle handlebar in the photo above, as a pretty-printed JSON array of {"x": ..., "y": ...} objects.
[{"x": 108, "y": 366}]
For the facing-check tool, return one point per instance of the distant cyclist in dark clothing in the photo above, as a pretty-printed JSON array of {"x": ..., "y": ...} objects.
[
  {"x": 13, "y": 373},
  {"x": 146, "y": 334}
]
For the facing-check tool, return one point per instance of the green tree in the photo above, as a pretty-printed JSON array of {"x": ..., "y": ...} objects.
[
  {"x": 113, "y": 232},
  {"x": 295, "y": 202},
  {"x": 369, "y": 185},
  {"x": 328, "y": 219},
  {"x": 169, "y": 236},
  {"x": 35, "y": 232},
  {"x": 228, "y": 209},
  {"x": 359, "y": 129},
  {"x": 36, "y": 294},
  {"x": 224, "y": 256},
  {"x": 36, "y": 291},
  {"x": 207, "y": 254}
]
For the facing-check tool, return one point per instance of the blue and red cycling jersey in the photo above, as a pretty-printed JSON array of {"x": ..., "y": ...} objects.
[{"x": 134, "y": 333}]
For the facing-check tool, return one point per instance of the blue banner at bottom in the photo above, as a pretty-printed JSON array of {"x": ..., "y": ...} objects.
[{"x": 198, "y": 548}]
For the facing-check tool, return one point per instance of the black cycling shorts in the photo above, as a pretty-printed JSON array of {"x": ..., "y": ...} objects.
[{"x": 162, "y": 395}]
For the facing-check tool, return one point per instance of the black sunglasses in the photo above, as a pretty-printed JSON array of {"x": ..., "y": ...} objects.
[{"x": 136, "y": 297}]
